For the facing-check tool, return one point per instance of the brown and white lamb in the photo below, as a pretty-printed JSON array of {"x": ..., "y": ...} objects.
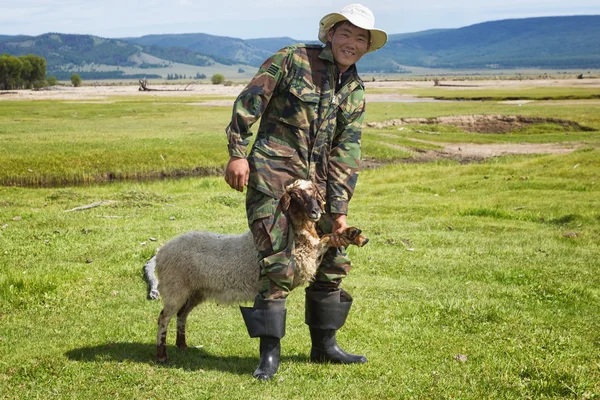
[{"x": 198, "y": 266}]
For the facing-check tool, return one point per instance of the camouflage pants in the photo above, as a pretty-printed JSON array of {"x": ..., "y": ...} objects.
[{"x": 274, "y": 240}]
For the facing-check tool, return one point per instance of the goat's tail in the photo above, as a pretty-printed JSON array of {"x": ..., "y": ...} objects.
[{"x": 150, "y": 278}]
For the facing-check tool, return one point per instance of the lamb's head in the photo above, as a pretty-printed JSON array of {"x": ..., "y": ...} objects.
[{"x": 303, "y": 200}]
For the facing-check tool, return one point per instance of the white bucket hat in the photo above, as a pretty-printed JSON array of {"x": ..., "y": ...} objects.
[{"x": 358, "y": 15}]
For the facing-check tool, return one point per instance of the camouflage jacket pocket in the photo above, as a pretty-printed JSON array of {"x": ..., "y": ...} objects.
[
  {"x": 274, "y": 149},
  {"x": 302, "y": 105},
  {"x": 272, "y": 165}
]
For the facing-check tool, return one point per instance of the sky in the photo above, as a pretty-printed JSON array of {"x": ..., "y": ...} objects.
[{"x": 248, "y": 19}]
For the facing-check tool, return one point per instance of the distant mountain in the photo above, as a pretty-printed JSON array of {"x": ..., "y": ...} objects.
[
  {"x": 63, "y": 50},
  {"x": 271, "y": 45},
  {"x": 218, "y": 47},
  {"x": 401, "y": 36},
  {"x": 546, "y": 42}
]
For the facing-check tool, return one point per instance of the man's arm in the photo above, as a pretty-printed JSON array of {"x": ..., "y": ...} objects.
[
  {"x": 247, "y": 109},
  {"x": 344, "y": 162}
]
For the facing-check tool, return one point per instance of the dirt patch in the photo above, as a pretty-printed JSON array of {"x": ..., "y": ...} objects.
[
  {"x": 466, "y": 153},
  {"x": 482, "y": 123}
]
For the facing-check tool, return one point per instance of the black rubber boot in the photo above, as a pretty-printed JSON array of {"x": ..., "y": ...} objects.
[
  {"x": 326, "y": 312},
  {"x": 266, "y": 320}
]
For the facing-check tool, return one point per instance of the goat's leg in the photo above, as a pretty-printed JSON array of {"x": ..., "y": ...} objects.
[
  {"x": 182, "y": 315},
  {"x": 161, "y": 335}
]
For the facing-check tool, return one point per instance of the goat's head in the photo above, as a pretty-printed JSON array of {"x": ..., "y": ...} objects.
[{"x": 303, "y": 197}]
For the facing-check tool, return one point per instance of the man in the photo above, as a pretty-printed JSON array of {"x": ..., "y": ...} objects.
[{"x": 311, "y": 103}]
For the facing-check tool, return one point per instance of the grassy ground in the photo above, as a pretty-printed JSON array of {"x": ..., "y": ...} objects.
[
  {"x": 470, "y": 91},
  {"x": 480, "y": 280},
  {"x": 71, "y": 142}
]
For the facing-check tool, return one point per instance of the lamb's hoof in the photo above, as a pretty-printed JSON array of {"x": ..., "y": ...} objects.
[
  {"x": 153, "y": 294},
  {"x": 353, "y": 232},
  {"x": 355, "y": 237},
  {"x": 161, "y": 354},
  {"x": 162, "y": 360}
]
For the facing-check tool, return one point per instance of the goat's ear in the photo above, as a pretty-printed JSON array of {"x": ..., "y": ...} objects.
[{"x": 284, "y": 202}]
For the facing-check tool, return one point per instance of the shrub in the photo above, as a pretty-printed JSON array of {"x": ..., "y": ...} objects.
[
  {"x": 217, "y": 79},
  {"x": 76, "y": 80},
  {"x": 52, "y": 81},
  {"x": 40, "y": 83}
]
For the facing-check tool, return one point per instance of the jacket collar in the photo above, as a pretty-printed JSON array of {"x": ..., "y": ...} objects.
[{"x": 327, "y": 55}]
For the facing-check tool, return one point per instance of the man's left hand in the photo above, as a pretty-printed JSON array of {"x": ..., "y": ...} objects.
[{"x": 339, "y": 226}]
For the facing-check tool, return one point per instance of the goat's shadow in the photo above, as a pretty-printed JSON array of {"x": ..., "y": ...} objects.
[{"x": 192, "y": 359}]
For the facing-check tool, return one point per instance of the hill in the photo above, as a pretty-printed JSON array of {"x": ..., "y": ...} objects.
[{"x": 63, "y": 52}]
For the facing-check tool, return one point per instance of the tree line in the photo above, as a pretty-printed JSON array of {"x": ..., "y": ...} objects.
[{"x": 23, "y": 72}]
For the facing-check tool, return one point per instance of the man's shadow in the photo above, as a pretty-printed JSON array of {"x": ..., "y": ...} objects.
[{"x": 192, "y": 359}]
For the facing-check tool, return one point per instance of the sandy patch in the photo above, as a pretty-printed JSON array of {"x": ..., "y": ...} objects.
[
  {"x": 213, "y": 103},
  {"x": 105, "y": 92},
  {"x": 100, "y": 92},
  {"x": 459, "y": 84},
  {"x": 515, "y": 102}
]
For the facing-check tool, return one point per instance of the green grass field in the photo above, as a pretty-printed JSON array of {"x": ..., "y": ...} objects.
[
  {"x": 470, "y": 91},
  {"x": 480, "y": 280}
]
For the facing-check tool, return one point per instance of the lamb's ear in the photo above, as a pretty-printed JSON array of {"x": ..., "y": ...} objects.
[{"x": 284, "y": 202}]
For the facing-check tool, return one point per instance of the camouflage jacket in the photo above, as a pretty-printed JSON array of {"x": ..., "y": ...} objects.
[{"x": 307, "y": 130}]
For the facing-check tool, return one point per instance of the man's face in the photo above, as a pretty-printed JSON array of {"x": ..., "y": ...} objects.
[{"x": 349, "y": 43}]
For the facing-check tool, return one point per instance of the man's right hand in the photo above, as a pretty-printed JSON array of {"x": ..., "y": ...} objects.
[{"x": 236, "y": 173}]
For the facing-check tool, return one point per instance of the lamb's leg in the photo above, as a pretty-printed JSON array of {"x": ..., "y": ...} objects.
[
  {"x": 150, "y": 278},
  {"x": 323, "y": 247},
  {"x": 161, "y": 335},
  {"x": 353, "y": 235},
  {"x": 182, "y": 315}
]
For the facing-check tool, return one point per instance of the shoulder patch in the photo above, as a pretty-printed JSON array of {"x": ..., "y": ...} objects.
[{"x": 273, "y": 70}]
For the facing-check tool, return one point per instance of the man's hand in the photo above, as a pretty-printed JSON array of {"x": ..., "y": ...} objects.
[
  {"x": 236, "y": 173},
  {"x": 339, "y": 226}
]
